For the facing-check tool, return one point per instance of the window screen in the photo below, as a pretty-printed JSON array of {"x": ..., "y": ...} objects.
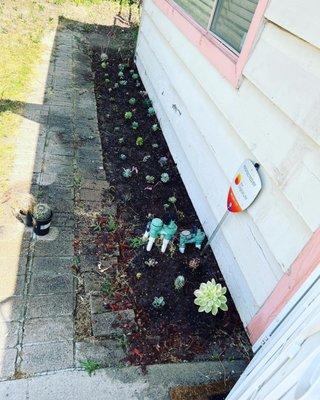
[
  {"x": 199, "y": 10},
  {"x": 232, "y": 19}
]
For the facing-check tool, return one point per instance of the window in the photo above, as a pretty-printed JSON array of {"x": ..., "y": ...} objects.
[{"x": 229, "y": 20}]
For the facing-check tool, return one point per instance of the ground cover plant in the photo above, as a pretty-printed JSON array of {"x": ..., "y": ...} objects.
[{"x": 145, "y": 183}]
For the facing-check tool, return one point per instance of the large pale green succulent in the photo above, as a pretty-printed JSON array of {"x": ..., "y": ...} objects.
[{"x": 210, "y": 297}]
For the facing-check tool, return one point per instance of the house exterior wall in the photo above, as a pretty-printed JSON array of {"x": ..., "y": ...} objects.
[{"x": 272, "y": 118}]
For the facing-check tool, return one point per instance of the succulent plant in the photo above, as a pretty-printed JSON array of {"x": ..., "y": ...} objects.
[
  {"x": 123, "y": 82},
  {"x": 131, "y": 71},
  {"x": 158, "y": 302},
  {"x": 116, "y": 129},
  {"x": 107, "y": 80},
  {"x": 210, "y": 297},
  {"x": 179, "y": 282},
  {"x": 194, "y": 263},
  {"x": 121, "y": 67},
  {"x": 166, "y": 206},
  {"x": 139, "y": 141},
  {"x": 155, "y": 145},
  {"x": 151, "y": 262},
  {"x": 138, "y": 275},
  {"x": 128, "y": 115},
  {"x": 135, "y": 125},
  {"x": 138, "y": 84},
  {"x": 127, "y": 172},
  {"x": 155, "y": 127},
  {"x": 103, "y": 65},
  {"x": 116, "y": 85},
  {"x": 172, "y": 199},
  {"x": 103, "y": 56},
  {"x": 163, "y": 161},
  {"x": 120, "y": 74},
  {"x": 135, "y": 76},
  {"x": 151, "y": 111},
  {"x": 42, "y": 212},
  {"x": 150, "y": 178},
  {"x": 165, "y": 177},
  {"x": 123, "y": 157},
  {"x": 147, "y": 102},
  {"x": 146, "y": 158},
  {"x": 132, "y": 101},
  {"x": 121, "y": 140}
]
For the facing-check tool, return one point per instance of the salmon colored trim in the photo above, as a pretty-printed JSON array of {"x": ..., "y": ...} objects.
[
  {"x": 300, "y": 270},
  {"x": 218, "y": 54}
]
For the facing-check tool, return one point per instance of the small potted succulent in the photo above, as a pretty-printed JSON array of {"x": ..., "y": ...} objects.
[{"x": 42, "y": 215}]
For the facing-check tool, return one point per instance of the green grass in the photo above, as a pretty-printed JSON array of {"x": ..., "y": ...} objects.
[
  {"x": 22, "y": 27},
  {"x": 90, "y": 366}
]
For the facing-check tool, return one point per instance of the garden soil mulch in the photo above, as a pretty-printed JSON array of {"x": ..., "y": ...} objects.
[{"x": 136, "y": 148}]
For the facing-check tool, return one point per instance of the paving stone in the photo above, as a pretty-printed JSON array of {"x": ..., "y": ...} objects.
[
  {"x": 9, "y": 334},
  {"x": 12, "y": 309},
  {"x": 62, "y": 245},
  {"x": 97, "y": 304},
  {"x": 7, "y": 363},
  {"x": 110, "y": 324},
  {"x": 55, "y": 305},
  {"x": 108, "y": 353},
  {"x": 45, "y": 357},
  {"x": 94, "y": 184},
  {"x": 53, "y": 265},
  {"x": 64, "y": 220},
  {"x": 92, "y": 282},
  {"x": 51, "y": 329},
  {"x": 88, "y": 263},
  {"x": 95, "y": 195},
  {"x": 51, "y": 284}
]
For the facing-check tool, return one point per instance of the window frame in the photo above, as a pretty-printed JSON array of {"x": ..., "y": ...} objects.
[{"x": 222, "y": 56}]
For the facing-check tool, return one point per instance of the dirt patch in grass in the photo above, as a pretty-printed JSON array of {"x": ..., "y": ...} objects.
[{"x": 135, "y": 147}]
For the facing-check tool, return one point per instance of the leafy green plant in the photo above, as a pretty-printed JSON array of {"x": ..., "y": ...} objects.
[
  {"x": 127, "y": 172},
  {"x": 103, "y": 57},
  {"x": 121, "y": 67},
  {"x": 151, "y": 111},
  {"x": 116, "y": 129},
  {"x": 155, "y": 127},
  {"x": 121, "y": 140},
  {"x": 210, "y": 297},
  {"x": 165, "y": 177},
  {"x": 123, "y": 157},
  {"x": 136, "y": 242},
  {"x": 120, "y": 74},
  {"x": 150, "y": 179},
  {"x": 151, "y": 262},
  {"x": 123, "y": 82},
  {"x": 135, "y": 76},
  {"x": 135, "y": 125},
  {"x": 147, "y": 102},
  {"x": 132, "y": 101},
  {"x": 42, "y": 211},
  {"x": 103, "y": 65},
  {"x": 112, "y": 225},
  {"x": 107, "y": 287},
  {"x": 155, "y": 145},
  {"x": 90, "y": 366},
  {"x": 139, "y": 141},
  {"x": 158, "y": 302},
  {"x": 128, "y": 115},
  {"x": 116, "y": 85},
  {"x": 179, "y": 282},
  {"x": 172, "y": 199}
]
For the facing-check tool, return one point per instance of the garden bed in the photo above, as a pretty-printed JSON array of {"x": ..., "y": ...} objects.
[{"x": 135, "y": 158}]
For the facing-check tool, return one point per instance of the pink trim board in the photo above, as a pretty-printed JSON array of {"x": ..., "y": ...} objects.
[{"x": 219, "y": 55}]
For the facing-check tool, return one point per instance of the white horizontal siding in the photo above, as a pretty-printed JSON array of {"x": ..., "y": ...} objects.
[
  {"x": 299, "y": 17},
  {"x": 216, "y": 128}
]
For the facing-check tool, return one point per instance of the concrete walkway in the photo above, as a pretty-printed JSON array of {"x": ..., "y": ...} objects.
[{"x": 118, "y": 384}]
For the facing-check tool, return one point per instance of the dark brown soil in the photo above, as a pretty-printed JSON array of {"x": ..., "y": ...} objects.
[{"x": 178, "y": 331}]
